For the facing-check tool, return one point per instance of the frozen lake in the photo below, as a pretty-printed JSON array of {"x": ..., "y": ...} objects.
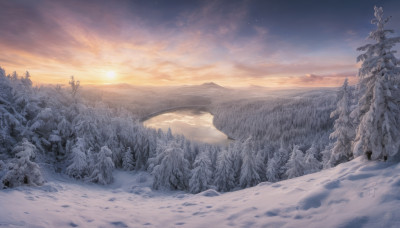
[{"x": 193, "y": 124}]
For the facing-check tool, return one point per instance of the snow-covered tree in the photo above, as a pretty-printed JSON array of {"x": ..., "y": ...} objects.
[
  {"x": 343, "y": 128},
  {"x": 225, "y": 173},
  {"x": 22, "y": 170},
  {"x": 26, "y": 81},
  {"x": 212, "y": 154},
  {"x": 200, "y": 177},
  {"x": 173, "y": 171},
  {"x": 235, "y": 151},
  {"x": 128, "y": 162},
  {"x": 262, "y": 162},
  {"x": 86, "y": 127},
  {"x": 43, "y": 125},
  {"x": 102, "y": 172},
  {"x": 142, "y": 150},
  {"x": 295, "y": 165},
  {"x": 74, "y": 86},
  {"x": 326, "y": 156},
  {"x": 79, "y": 164},
  {"x": 273, "y": 168},
  {"x": 249, "y": 176},
  {"x": 311, "y": 164},
  {"x": 162, "y": 145},
  {"x": 281, "y": 157},
  {"x": 378, "y": 133}
]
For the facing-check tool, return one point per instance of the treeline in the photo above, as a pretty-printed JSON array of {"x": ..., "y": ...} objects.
[
  {"x": 87, "y": 141},
  {"x": 280, "y": 121}
]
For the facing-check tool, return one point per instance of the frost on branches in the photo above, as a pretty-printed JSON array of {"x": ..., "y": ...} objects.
[
  {"x": 78, "y": 166},
  {"x": 200, "y": 175},
  {"x": 22, "y": 170},
  {"x": 225, "y": 173},
  {"x": 103, "y": 169},
  {"x": 378, "y": 133},
  {"x": 173, "y": 172},
  {"x": 249, "y": 176},
  {"x": 343, "y": 128},
  {"x": 295, "y": 165}
]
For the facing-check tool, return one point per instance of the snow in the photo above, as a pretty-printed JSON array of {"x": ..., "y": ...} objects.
[{"x": 353, "y": 194}]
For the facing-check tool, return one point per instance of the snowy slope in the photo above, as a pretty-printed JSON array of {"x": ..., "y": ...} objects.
[{"x": 353, "y": 194}]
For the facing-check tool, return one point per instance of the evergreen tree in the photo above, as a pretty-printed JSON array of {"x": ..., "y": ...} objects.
[
  {"x": 225, "y": 173},
  {"x": 128, "y": 163},
  {"x": 200, "y": 175},
  {"x": 235, "y": 151},
  {"x": 212, "y": 153},
  {"x": 378, "y": 107},
  {"x": 295, "y": 165},
  {"x": 262, "y": 162},
  {"x": 343, "y": 128},
  {"x": 22, "y": 170},
  {"x": 173, "y": 171},
  {"x": 74, "y": 86},
  {"x": 326, "y": 156},
  {"x": 142, "y": 149},
  {"x": 281, "y": 160},
  {"x": 249, "y": 176},
  {"x": 311, "y": 164},
  {"x": 273, "y": 168},
  {"x": 102, "y": 172},
  {"x": 78, "y": 166}
]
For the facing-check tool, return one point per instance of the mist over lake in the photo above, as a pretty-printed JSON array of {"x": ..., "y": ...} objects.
[{"x": 193, "y": 124}]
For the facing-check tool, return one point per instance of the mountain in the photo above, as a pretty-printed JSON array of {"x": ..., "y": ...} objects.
[{"x": 212, "y": 85}]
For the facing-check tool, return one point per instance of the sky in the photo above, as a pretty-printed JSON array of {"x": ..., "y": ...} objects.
[{"x": 273, "y": 43}]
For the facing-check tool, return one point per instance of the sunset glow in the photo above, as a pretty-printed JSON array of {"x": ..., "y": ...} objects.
[
  {"x": 233, "y": 43},
  {"x": 111, "y": 75}
]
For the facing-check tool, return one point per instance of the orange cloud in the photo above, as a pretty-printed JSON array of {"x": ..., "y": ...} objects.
[{"x": 58, "y": 39}]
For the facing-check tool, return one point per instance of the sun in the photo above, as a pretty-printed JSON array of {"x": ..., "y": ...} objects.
[{"x": 111, "y": 75}]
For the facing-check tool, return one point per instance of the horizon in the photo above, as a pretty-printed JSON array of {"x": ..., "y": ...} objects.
[
  {"x": 233, "y": 44},
  {"x": 65, "y": 84}
]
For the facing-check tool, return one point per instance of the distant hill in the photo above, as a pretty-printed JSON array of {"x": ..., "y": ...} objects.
[{"x": 212, "y": 85}]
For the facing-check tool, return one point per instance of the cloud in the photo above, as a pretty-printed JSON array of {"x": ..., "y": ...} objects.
[
  {"x": 274, "y": 69},
  {"x": 143, "y": 44},
  {"x": 313, "y": 80}
]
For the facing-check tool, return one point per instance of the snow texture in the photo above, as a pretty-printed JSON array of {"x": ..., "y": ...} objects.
[{"x": 353, "y": 194}]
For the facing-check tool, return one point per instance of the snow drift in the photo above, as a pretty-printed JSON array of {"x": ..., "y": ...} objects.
[{"x": 353, "y": 194}]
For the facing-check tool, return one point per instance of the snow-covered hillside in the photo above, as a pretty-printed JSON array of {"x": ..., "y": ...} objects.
[{"x": 353, "y": 194}]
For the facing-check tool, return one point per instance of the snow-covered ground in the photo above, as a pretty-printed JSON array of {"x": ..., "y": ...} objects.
[{"x": 353, "y": 194}]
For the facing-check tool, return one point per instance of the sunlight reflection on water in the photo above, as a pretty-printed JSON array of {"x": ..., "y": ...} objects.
[{"x": 194, "y": 125}]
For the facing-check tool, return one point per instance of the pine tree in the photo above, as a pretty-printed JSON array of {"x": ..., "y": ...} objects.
[
  {"x": 326, "y": 156},
  {"x": 200, "y": 175},
  {"x": 173, "y": 171},
  {"x": 22, "y": 170},
  {"x": 262, "y": 162},
  {"x": 142, "y": 150},
  {"x": 74, "y": 86},
  {"x": 225, "y": 173},
  {"x": 249, "y": 176},
  {"x": 378, "y": 107},
  {"x": 343, "y": 128},
  {"x": 273, "y": 168},
  {"x": 235, "y": 151},
  {"x": 295, "y": 165},
  {"x": 78, "y": 166},
  {"x": 102, "y": 172},
  {"x": 128, "y": 163},
  {"x": 311, "y": 164},
  {"x": 282, "y": 158}
]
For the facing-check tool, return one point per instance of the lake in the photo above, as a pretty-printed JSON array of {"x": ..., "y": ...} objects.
[{"x": 193, "y": 124}]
